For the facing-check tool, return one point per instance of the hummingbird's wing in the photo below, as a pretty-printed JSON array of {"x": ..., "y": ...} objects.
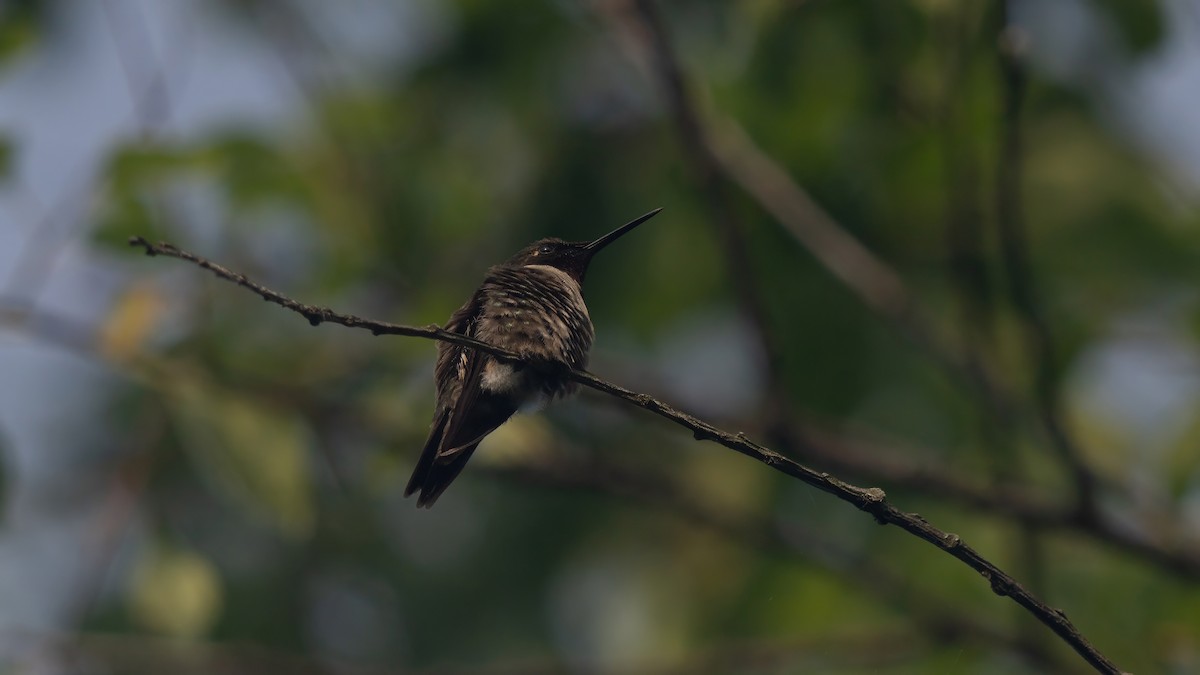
[
  {"x": 449, "y": 376},
  {"x": 420, "y": 474},
  {"x": 435, "y": 472},
  {"x": 456, "y": 432},
  {"x": 468, "y": 422},
  {"x": 465, "y": 413}
]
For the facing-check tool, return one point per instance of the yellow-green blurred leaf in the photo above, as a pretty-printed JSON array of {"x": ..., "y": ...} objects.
[
  {"x": 252, "y": 453},
  {"x": 254, "y": 171},
  {"x": 1181, "y": 463},
  {"x": 175, "y": 592},
  {"x": 125, "y": 216},
  {"x": 131, "y": 321},
  {"x": 523, "y": 438},
  {"x": 135, "y": 175},
  {"x": 739, "y": 487}
]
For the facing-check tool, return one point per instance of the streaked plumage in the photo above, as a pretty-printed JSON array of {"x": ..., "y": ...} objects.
[{"x": 532, "y": 305}]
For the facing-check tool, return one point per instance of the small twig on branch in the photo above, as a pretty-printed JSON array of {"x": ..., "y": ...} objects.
[{"x": 870, "y": 500}]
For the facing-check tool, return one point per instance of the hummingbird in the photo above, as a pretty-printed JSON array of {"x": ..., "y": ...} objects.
[{"x": 532, "y": 305}]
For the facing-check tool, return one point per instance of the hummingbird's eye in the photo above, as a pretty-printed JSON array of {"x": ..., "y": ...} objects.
[{"x": 544, "y": 248}]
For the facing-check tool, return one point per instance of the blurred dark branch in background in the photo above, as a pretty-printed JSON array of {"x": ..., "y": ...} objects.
[
  {"x": 145, "y": 76},
  {"x": 965, "y": 230},
  {"x": 1014, "y": 249},
  {"x": 20, "y": 315},
  {"x": 723, "y": 150},
  {"x": 871, "y": 279},
  {"x": 715, "y": 192},
  {"x": 57, "y": 224},
  {"x": 970, "y": 269},
  {"x": 870, "y": 500},
  {"x": 875, "y": 283},
  {"x": 112, "y": 521}
]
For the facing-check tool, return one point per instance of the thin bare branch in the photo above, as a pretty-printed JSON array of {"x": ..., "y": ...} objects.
[
  {"x": 873, "y": 280},
  {"x": 869, "y": 459},
  {"x": 318, "y": 315},
  {"x": 870, "y": 500}
]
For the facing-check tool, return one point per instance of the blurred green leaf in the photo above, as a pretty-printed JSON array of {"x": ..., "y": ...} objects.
[
  {"x": 1140, "y": 23},
  {"x": 1181, "y": 462},
  {"x": 19, "y": 28},
  {"x": 253, "y": 170},
  {"x": 126, "y": 216},
  {"x": 250, "y": 170},
  {"x": 134, "y": 317},
  {"x": 136, "y": 176},
  {"x": 7, "y": 154},
  {"x": 252, "y": 453},
  {"x": 175, "y": 592}
]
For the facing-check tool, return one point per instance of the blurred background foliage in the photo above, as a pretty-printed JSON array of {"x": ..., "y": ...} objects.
[{"x": 196, "y": 481}]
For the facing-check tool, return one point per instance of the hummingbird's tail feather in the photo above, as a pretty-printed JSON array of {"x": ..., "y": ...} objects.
[
  {"x": 428, "y": 453},
  {"x": 442, "y": 473},
  {"x": 447, "y": 450}
]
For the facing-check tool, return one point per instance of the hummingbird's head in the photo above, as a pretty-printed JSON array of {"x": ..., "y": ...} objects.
[{"x": 572, "y": 257}]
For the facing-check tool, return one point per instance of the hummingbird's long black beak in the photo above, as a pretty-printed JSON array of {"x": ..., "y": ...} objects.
[{"x": 609, "y": 238}]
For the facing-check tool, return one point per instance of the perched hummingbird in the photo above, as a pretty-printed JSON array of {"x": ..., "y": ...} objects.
[{"x": 531, "y": 305}]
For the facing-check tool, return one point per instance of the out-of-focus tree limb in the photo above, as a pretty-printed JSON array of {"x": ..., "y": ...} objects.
[
  {"x": 870, "y": 500},
  {"x": 714, "y": 191},
  {"x": 735, "y": 157},
  {"x": 1014, "y": 253}
]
